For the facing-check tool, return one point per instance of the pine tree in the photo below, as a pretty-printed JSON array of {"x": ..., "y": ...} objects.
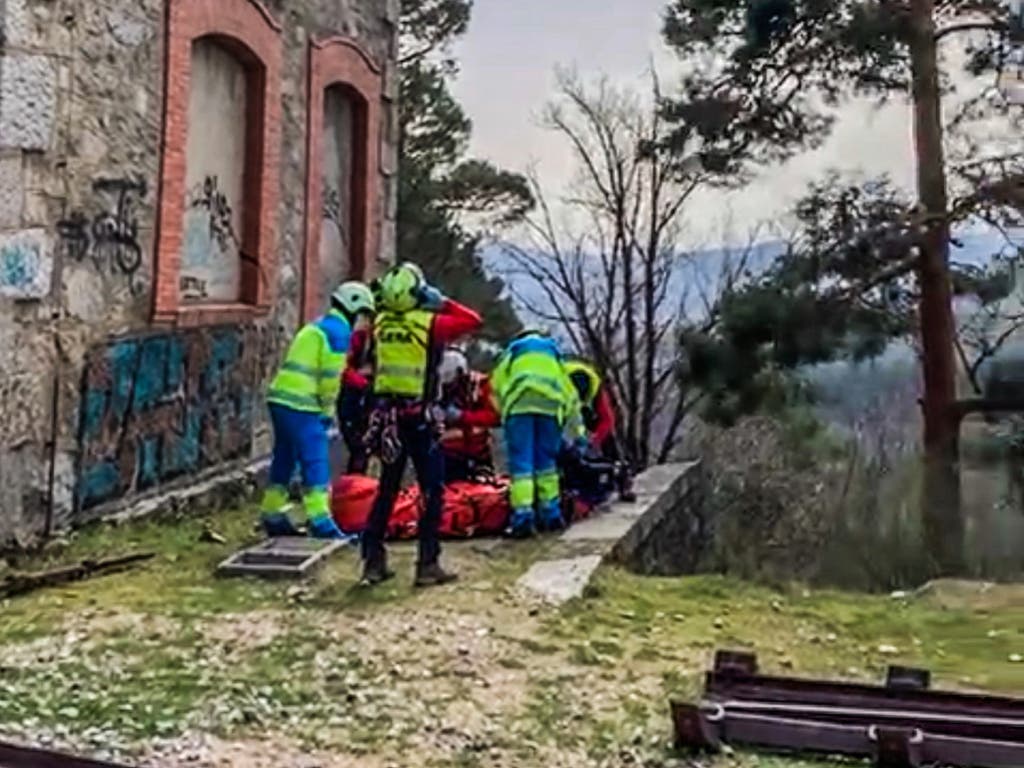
[
  {"x": 446, "y": 200},
  {"x": 765, "y": 79}
]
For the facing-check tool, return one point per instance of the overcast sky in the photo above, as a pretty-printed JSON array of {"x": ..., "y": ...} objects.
[{"x": 508, "y": 59}]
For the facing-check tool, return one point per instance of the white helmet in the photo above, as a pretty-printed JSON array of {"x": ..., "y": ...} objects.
[
  {"x": 452, "y": 363},
  {"x": 354, "y": 297}
]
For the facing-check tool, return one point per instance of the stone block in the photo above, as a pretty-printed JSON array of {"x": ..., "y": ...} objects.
[
  {"x": 558, "y": 581},
  {"x": 28, "y": 102},
  {"x": 26, "y": 264},
  {"x": 11, "y": 192},
  {"x": 21, "y": 409},
  {"x": 16, "y": 23}
]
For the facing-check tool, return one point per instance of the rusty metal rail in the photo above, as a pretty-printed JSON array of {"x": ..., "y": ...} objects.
[
  {"x": 902, "y": 723},
  {"x": 730, "y": 680},
  {"x": 709, "y": 727},
  {"x": 14, "y": 756}
]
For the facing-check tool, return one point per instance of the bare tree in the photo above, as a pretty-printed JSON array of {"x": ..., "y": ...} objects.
[{"x": 606, "y": 268}]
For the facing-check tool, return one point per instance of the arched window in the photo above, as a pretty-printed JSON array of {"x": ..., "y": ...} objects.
[
  {"x": 342, "y": 218},
  {"x": 341, "y": 107},
  {"x": 215, "y": 160},
  {"x": 220, "y": 165}
]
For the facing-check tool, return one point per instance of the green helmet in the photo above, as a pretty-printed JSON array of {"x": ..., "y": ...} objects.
[
  {"x": 416, "y": 269},
  {"x": 399, "y": 288},
  {"x": 354, "y": 298}
]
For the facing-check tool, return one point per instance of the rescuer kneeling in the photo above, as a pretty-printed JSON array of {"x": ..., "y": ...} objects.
[
  {"x": 598, "y": 409},
  {"x": 470, "y": 416},
  {"x": 302, "y": 400}
]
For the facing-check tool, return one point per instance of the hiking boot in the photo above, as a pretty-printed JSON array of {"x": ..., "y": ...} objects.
[
  {"x": 375, "y": 572},
  {"x": 278, "y": 524},
  {"x": 325, "y": 528},
  {"x": 433, "y": 575},
  {"x": 553, "y": 520},
  {"x": 521, "y": 525}
]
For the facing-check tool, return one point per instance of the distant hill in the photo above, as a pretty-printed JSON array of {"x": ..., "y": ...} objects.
[{"x": 849, "y": 393}]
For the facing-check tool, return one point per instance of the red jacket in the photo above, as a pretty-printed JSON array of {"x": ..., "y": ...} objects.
[
  {"x": 452, "y": 321},
  {"x": 357, "y": 362},
  {"x": 472, "y": 435},
  {"x": 604, "y": 413}
]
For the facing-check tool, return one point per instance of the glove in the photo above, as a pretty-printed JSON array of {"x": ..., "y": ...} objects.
[
  {"x": 582, "y": 446},
  {"x": 430, "y": 298},
  {"x": 452, "y": 415}
]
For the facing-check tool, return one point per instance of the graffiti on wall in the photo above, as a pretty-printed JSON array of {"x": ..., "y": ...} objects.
[
  {"x": 334, "y": 242},
  {"x": 26, "y": 265},
  {"x": 155, "y": 408},
  {"x": 111, "y": 236},
  {"x": 212, "y": 246}
]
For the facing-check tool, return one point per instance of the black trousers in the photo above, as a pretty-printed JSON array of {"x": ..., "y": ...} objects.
[
  {"x": 419, "y": 443},
  {"x": 610, "y": 451},
  {"x": 353, "y": 419}
]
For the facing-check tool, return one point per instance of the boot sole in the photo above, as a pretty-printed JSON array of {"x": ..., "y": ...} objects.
[
  {"x": 368, "y": 582},
  {"x": 427, "y": 583}
]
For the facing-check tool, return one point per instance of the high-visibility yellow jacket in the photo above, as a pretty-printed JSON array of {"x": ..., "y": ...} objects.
[
  {"x": 402, "y": 351},
  {"x": 309, "y": 379},
  {"x": 530, "y": 378},
  {"x": 593, "y": 378}
]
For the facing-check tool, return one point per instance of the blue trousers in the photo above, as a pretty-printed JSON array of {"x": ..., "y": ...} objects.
[
  {"x": 300, "y": 441},
  {"x": 533, "y": 443}
]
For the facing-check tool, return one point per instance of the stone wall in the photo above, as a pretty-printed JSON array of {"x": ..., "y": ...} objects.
[
  {"x": 674, "y": 534},
  {"x": 120, "y": 381}
]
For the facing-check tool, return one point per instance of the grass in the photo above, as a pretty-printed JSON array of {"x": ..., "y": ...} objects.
[{"x": 168, "y": 648}]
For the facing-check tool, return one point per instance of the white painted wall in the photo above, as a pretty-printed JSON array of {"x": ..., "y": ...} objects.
[{"x": 215, "y": 164}]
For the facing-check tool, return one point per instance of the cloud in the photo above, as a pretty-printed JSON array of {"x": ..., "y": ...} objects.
[{"x": 508, "y": 61}]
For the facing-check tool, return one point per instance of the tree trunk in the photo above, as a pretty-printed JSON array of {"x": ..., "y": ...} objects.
[{"x": 940, "y": 500}]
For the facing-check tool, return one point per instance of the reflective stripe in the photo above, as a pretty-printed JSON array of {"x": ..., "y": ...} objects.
[
  {"x": 292, "y": 400},
  {"x": 521, "y": 492},
  {"x": 275, "y": 499},
  {"x": 317, "y": 503},
  {"x": 548, "y": 487},
  {"x": 399, "y": 370},
  {"x": 313, "y": 373},
  {"x": 533, "y": 381}
]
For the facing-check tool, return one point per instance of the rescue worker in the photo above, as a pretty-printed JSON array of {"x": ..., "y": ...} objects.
[
  {"x": 470, "y": 416},
  {"x": 302, "y": 399},
  {"x": 537, "y": 402},
  {"x": 415, "y": 323},
  {"x": 598, "y": 409}
]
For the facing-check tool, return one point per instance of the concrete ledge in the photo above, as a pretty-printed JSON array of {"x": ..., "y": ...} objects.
[{"x": 662, "y": 533}]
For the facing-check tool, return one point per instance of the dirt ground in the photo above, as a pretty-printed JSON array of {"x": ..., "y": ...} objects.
[{"x": 168, "y": 666}]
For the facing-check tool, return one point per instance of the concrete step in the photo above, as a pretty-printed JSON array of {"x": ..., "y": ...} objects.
[{"x": 661, "y": 533}]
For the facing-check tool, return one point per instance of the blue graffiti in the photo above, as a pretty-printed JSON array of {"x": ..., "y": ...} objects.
[
  {"x": 161, "y": 407},
  {"x": 20, "y": 261}
]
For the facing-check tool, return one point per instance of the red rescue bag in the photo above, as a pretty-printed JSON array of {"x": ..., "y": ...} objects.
[
  {"x": 351, "y": 499},
  {"x": 490, "y": 500},
  {"x": 405, "y": 516},
  {"x": 458, "y": 515}
]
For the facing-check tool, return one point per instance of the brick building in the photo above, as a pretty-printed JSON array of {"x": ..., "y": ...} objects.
[{"x": 181, "y": 182}]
